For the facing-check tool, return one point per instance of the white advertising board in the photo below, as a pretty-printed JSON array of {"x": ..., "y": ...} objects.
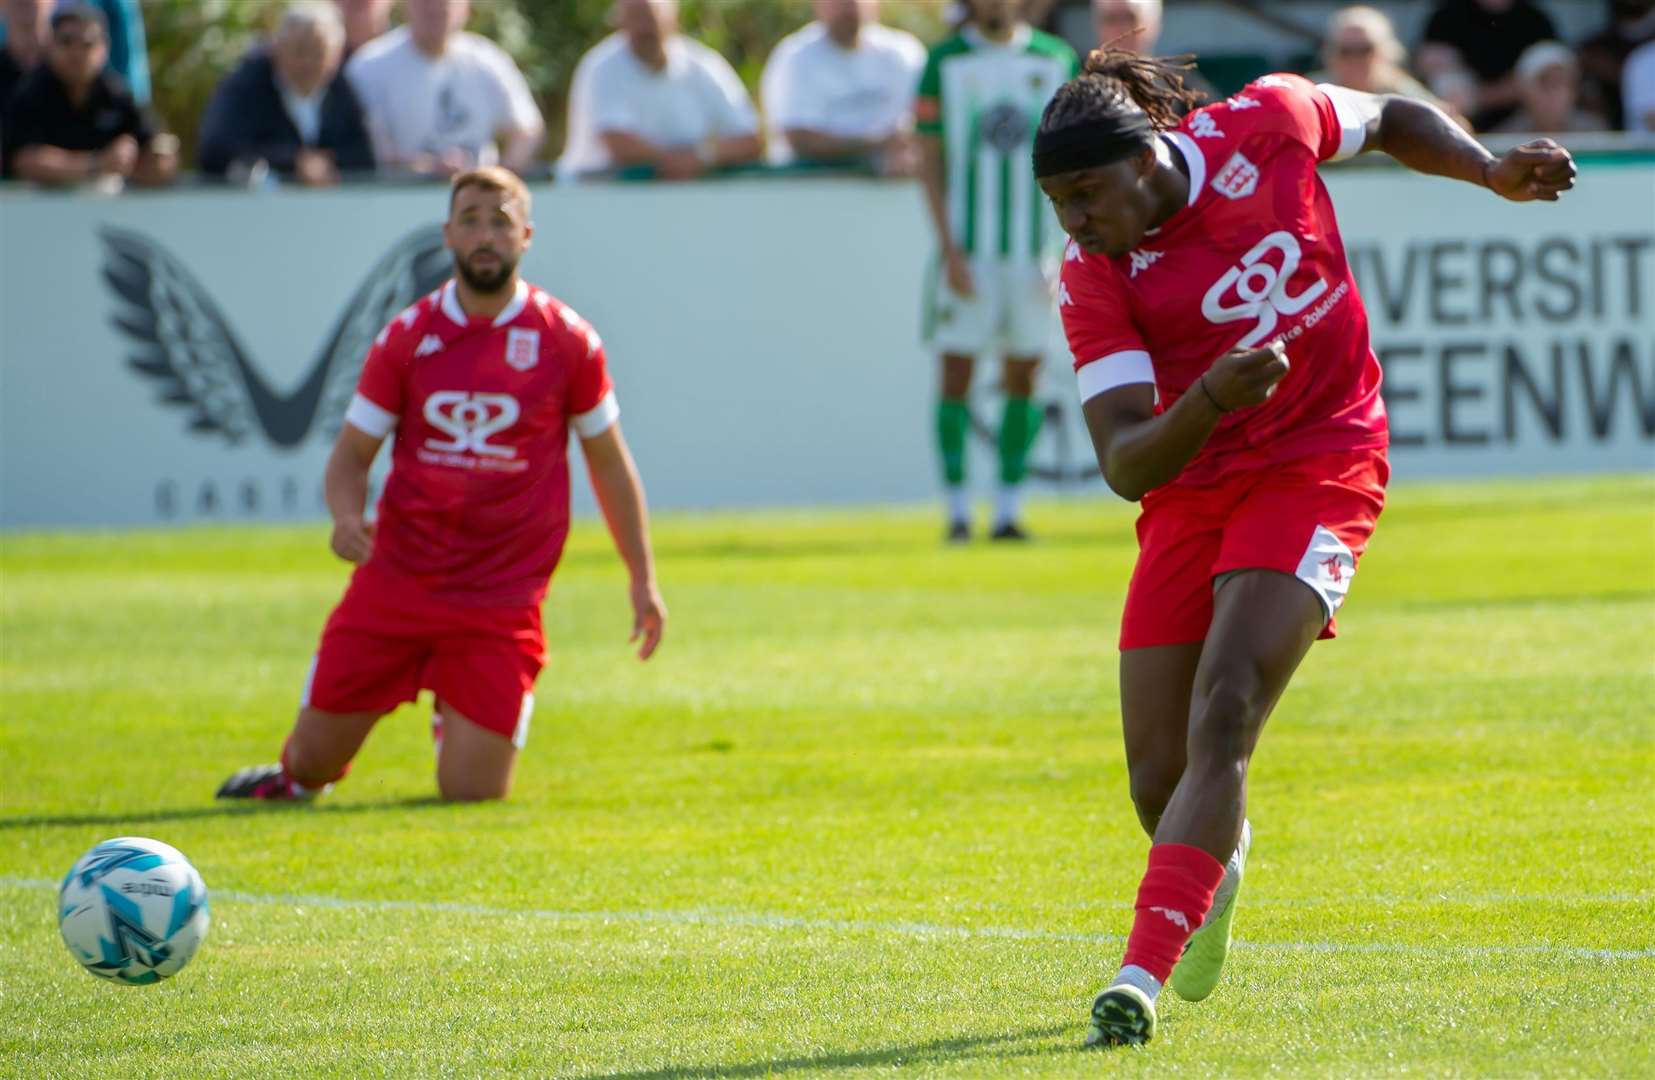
[{"x": 185, "y": 356}]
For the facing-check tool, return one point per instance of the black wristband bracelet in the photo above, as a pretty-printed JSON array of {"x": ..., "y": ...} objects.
[{"x": 1221, "y": 409}]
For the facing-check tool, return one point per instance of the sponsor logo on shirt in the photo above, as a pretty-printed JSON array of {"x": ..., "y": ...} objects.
[
  {"x": 1259, "y": 288},
  {"x": 1203, "y": 126},
  {"x": 1141, "y": 260},
  {"x": 522, "y": 348},
  {"x": 470, "y": 420},
  {"x": 1237, "y": 179},
  {"x": 431, "y": 343}
]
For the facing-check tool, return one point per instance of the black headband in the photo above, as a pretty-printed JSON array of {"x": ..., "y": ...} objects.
[{"x": 1098, "y": 141}]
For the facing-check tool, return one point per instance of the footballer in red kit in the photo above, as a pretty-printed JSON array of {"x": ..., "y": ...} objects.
[
  {"x": 1226, "y": 376},
  {"x": 481, "y": 382}
]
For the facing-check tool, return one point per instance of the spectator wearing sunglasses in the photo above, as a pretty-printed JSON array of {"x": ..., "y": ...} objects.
[{"x": 1361, "y": 51}]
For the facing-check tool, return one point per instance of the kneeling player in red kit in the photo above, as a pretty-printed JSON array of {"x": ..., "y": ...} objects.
[
  {"x": 1228, "y": 383},
  {"x": 481, "y": 382}
]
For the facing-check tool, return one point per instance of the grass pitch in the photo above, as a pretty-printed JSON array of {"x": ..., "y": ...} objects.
[{"x": 865, "y": 814}]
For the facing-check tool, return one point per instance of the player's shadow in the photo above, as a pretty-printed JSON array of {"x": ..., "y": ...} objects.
[
  {"x": 992, "y": 1047},
  {"x": 215, "y": 810}
]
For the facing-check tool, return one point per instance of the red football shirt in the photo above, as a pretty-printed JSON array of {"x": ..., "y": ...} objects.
[
  {"x": 1254, "y": 257},
  {"x": 476, "y": 507}
]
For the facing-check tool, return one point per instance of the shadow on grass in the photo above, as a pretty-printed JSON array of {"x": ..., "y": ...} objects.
[
  {"x": 937, "y": 1050},
  {"x": 216, "y": 810}
]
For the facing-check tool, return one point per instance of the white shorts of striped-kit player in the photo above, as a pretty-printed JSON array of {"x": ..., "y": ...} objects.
[{"x": 1013, "y": 312}]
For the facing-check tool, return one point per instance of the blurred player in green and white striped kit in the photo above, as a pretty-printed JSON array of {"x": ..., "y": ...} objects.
[{"x": 979, "y": 104}]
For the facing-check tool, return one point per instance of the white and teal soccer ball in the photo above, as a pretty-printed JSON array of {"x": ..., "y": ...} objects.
[{"x": 133, "y": 910}]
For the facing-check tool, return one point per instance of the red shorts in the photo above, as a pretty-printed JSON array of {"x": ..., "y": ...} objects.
[
  {"x": 1310, "y": 518},
  {"x": 387, "y": 640}
]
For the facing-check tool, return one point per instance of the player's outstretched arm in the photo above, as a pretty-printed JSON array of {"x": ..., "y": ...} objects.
[
  {"x": 620, "y": 495},
  {"x": 345, "y": 485},
  {"x": 1424, "y": 138}
]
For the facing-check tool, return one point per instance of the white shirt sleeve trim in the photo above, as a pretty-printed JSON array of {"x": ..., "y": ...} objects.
[
  {"x": 370, "y": 418},
  {"x": 1193, "y": 158},
  {"x": 1352, "y": 131},
  {"x": 1117, "y": 369},
  {"x": 599, "y": 419}
]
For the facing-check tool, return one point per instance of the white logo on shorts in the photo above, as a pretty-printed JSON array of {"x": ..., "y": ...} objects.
[{"x": 1327, "y": 567}]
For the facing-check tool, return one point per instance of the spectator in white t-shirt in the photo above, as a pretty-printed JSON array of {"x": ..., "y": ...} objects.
[
  {"x": 1638, "y": 88},
  {"x": 438, "y": 99},
  {"x": 843, "y": 88},
  {"x": 647, "y": 95}
]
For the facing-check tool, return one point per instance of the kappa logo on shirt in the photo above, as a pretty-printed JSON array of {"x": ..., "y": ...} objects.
[
  {"x": 1141, "y": 260},
  {"x": 1237, "y": 179},
  {"x": 1240, "y": 102},
  {"x": 1072, "y": 252},
  {"x": 1063, "y": 297},
  {"x": 522, "y": 348},
  {"x": 431, "y": 343},
  {"x": 1203, "y": 126}
]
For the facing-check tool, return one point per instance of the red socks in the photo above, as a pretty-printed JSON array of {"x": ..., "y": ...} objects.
[{"x": 1176, "y": 893}]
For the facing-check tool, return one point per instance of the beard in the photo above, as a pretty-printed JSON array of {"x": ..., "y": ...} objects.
[{"x": 485, "y": 281}]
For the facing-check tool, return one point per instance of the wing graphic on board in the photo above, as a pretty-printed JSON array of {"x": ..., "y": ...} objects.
[{"x": 185, "y": 345}]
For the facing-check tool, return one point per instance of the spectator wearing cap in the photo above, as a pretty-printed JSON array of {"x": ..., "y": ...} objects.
[
  {"x": 648, "y": 96},
  {"x": 1470, "y": 49},
  {"x": 1548, "y": 76},
  {"x": 1361, "y": 51},
  {"x": 1638, "y": 88},
  {"x": 364, "y": 21},
  {"x": 28, "y": 30},
  {"x": 73, "y": 121},
  {"x": 287, "y": 105},
  {"x": 842, "y": 89},
  {"x": 1603, "y": 56},
  {"x": 439, "y": 100}
]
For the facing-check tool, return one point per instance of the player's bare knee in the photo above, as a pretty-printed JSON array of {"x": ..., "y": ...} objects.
[
  {"x": 1152, "y": 785},
  {"x": 472, "y": 789},
  {"x": 1225, "y": 724}
]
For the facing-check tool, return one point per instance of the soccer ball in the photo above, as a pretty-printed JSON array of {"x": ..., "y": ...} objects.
[{"x": 133, "y": 910}]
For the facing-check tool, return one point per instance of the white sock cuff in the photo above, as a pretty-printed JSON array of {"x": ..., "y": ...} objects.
[{"x": 1135, "y": 976}]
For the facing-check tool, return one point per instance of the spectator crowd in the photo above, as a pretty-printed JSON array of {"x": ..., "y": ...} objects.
[{"x": 337, "y": 89}]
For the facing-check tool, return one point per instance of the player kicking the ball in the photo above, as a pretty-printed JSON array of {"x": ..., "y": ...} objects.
[
  {"x": 1228, "y": 383},
  {"x": 481, "y": 381}
]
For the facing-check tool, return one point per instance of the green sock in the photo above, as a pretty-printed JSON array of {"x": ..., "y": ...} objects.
[
  {"x": 1019, "y": 426},
  {"x": 953, "y": 420}
]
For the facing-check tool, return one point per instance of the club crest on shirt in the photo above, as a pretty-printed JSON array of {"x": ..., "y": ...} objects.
[
  {"x": 522, "y": 348},
  {"x": 1237, "y": 179}
]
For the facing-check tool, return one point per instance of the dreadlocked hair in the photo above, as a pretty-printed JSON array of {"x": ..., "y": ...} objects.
[{"x": 1115, "y": 81}]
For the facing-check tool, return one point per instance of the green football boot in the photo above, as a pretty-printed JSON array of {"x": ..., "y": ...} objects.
[
  {"x": 1121, "y": 1016},
  {"x": 1203, "y": 960}
]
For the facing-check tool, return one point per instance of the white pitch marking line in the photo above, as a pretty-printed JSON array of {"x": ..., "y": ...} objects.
[{"x": 902, "y": 929}]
